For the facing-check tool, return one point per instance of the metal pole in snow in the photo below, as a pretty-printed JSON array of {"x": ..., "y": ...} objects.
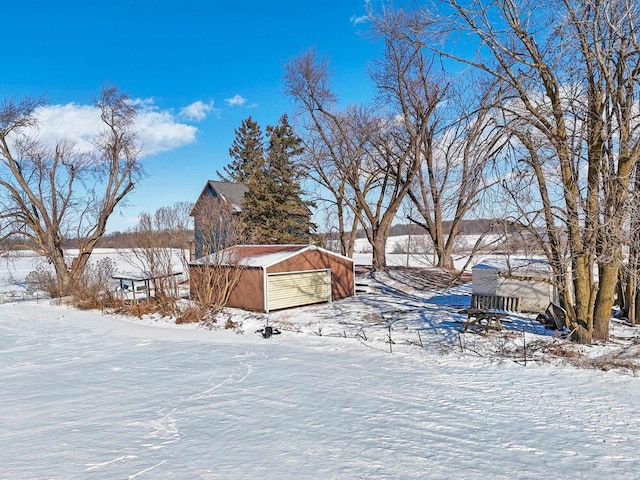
[{"x": 524, "y": 341}]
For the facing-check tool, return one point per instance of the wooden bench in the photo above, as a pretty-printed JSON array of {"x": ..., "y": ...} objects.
[
  {"x": 495, "y": 302},
  {"x": 483, "y": 319}
]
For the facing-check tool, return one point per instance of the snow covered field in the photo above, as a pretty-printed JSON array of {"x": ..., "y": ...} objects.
[{"x": 91, "y": 395}]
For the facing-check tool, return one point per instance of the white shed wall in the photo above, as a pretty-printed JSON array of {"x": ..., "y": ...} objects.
[
  {"x": 535, "y": 296},
  {"x": 485, "y": 280}
]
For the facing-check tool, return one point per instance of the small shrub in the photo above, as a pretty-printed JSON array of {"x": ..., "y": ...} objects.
[
  {"x": 137, "y": 309},
  {"x": 230, "y": 325},
  {"x": 94, "y": 288},
  {"x": 611, "y": 362},
  {"x": 416, "y": 245},
  {"x": 42, "y": 279},
  {"x": 193, "y": 314}
]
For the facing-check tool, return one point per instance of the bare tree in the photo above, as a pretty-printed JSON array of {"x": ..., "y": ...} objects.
[
  {"x": 456, "y": 163},
  {"x": 214, "y": 276},
  {"x": 629, "y": 283},
  {"x": 162, "y": 245},
  {"x": 569, "y": 76},
  {"x": 331, "y": 193},
  {"x": 375, "y": 156},
  {"x": 50, "y": 197}
]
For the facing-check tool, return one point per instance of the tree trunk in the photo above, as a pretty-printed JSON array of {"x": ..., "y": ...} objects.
[
  {"x": 352, "y": 237},
  {"x": 64, "y": 278},
  {"x": 378, "y": 244},
  {"x": 582, "y": 322},
  {"x": 604, "y": 301},
  {"x": 445, "y": 260}
]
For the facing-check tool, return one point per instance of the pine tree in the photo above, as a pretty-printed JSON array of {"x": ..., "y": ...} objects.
[
  {"x": 290, "y": 218},
  {"x": 247, "y": 151},
  {"x": 274, "y": 212}
]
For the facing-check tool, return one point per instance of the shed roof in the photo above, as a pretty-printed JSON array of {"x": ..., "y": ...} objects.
[
  {"x": 142, "y": 276},
  {"x": 521, "y": 266},
  {"x": 259, "y": 256}
]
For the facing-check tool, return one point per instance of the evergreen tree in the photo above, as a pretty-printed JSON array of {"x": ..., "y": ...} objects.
[
  {"x": 274, "y": 212},
  {"x": 291, "y": 214},
  {"x": 247, "y": 151}
]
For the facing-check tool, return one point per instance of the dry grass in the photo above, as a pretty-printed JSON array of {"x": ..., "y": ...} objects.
[
  {"x": 139, "y": 309},
  {"x": 97, "y": 303},
  {"x": 231, "y": 325},
  {"x": 192, "y": 314},
  {"x": 613, "y": 362}
]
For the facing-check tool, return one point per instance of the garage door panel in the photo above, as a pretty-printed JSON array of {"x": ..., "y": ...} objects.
[{"x": 293, "y": 289}]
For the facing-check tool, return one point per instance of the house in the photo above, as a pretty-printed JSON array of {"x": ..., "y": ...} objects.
[
  {"x": 229, "y": 194},
  {"x": 210, "y": 229},
  {"x": 273, "y": 277},
  {"x": 521, "y": 287}
]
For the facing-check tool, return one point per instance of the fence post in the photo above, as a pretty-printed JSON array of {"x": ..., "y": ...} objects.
[{"x": 524, "y": 341}]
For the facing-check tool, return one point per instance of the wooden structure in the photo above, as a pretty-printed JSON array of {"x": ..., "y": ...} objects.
[
  {"x": 483, "y": 319},
  {"x": 138, "y": 286},
  {"x": 274, "y": 277},
  {"x": 495, "y": 302},
  {"x": 230, "y": 193}
]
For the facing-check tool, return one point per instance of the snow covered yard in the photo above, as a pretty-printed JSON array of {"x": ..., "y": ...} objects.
[
  {"x": 87, "y": 395},
  {"x": 91, "y": 395}
]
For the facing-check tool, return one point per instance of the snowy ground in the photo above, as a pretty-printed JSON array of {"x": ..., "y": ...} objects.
[{"x": 92, "y": 395}]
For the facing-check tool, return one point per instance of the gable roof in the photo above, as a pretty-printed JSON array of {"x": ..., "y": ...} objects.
[
  {"x": 260, "y": 256},
  {"x": 231, "y": 192}
]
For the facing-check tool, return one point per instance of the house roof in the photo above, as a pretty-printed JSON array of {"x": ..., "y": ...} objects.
[
  {"x": 258, "y": 256},
  {"x": 231, "y": 192}
]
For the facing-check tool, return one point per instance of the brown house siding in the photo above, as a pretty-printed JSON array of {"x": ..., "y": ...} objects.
[{"x": 249, "y": 292}]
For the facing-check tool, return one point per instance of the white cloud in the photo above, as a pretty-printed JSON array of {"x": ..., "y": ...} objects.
[
  {"x": 357, "y": 20},
  {"x": 236, "y": 100},
  {"x": 197, "y": 111},
  {"x": 158, "y": 130},
  {"x": 78, "y": 123}
]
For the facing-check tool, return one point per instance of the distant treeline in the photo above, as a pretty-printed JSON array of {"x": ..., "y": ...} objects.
[
  {"x": 135, "y": 239},
  {"x": 467, "y": 227},
  {"x": 118, "y": 240},
  {"x": 182, "y": 238}
]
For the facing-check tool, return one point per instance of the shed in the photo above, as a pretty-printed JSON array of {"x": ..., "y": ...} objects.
[
  {"x": 504, "y": 287},
  {"x": 274, "y": 277}
]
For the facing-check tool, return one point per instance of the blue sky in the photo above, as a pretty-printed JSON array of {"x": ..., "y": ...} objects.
[{"x": 197, "y": 69}]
